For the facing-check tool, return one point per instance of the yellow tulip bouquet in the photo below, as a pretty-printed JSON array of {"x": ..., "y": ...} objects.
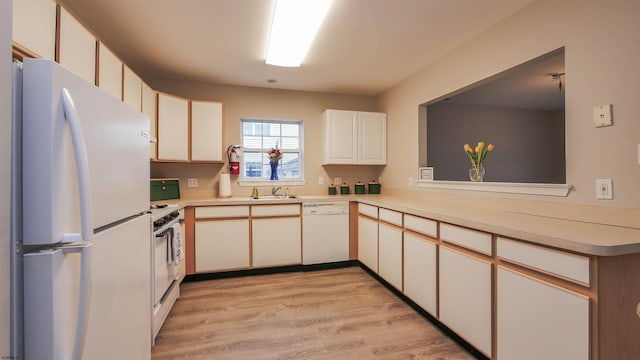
[{"x": 476, "y": 156}]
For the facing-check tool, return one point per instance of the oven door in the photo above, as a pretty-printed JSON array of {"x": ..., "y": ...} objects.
[{"x": 163, "y": 265}]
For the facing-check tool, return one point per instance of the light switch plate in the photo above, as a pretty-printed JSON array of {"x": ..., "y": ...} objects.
[
  {"x": 602, "y": 115},
  {"x": 192, "y": 182},
  {"x": 604, "y": 189},
  {"x": 320, "y": 180}
]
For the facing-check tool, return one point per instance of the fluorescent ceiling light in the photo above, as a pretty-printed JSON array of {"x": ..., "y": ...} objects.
[{"x": 295, "y": 24}]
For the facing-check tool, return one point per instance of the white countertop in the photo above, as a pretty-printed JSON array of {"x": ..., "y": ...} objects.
[{"x": 582, "y": 237}]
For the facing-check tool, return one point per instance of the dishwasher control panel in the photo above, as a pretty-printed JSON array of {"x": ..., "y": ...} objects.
[{"x": 325, "y": 208}]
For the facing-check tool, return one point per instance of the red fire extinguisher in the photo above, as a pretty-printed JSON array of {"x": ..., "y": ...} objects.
[{"x": 233, "y": 154}]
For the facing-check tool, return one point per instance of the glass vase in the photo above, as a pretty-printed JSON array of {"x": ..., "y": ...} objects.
[
  {"x": 274, "y": 170},
  {"x": 476, "y": 173}
]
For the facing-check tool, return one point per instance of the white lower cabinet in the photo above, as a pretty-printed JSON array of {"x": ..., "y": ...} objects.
[
  {"x": 537, "y": 320},
  {"x": 390, "y": 254},
  {"x": 276, "y": 241},
  {"x": 368, "y": 242},
  {"x": 420, "y": 272},
  {"x": 222, "y": 245},
  {"x": 465, "y": 297}
]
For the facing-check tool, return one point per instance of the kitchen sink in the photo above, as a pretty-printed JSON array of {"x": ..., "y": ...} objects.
[{"x": 275, "y": 197}]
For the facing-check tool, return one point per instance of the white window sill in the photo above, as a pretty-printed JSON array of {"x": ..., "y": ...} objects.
[
  {"x": 509, "y": 188},
  {"x": 289, "y": 182}
]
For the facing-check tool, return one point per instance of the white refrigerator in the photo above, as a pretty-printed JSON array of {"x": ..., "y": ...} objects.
[{"x": 81, "y": 188}]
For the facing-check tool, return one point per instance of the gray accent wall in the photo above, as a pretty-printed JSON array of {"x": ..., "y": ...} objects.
[{"x": 529, "y": 144}]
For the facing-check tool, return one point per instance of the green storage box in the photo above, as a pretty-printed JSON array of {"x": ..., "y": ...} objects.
[
  {"x": 374, "y": 187},
  {"x": 165, "y": 189},
  {"x": 359, "y": 188}
]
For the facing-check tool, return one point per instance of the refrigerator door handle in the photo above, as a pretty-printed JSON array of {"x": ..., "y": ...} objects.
[
  {"x": 82, "y": 166},
  {"x": 84, "y": 297}
]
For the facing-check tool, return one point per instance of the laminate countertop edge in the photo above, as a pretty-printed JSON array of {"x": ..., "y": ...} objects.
[{"x": 572, "y": 235}]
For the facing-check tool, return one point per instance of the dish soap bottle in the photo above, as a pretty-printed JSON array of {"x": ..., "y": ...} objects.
[{"x": 254, "y": 193}]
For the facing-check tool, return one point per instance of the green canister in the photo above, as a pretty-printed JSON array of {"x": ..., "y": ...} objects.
[
  {"x": 332, "y": 190},
  {"x": 344, "y": 189},
  {"x": 359, "y": 188},
  {"x": 374, "y": 187}
]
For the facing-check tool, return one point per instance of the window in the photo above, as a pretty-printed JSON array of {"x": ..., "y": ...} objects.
[{"x": 260, "y": 136}]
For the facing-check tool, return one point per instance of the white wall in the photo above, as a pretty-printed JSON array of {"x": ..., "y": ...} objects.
[
  {"x": 5, "y": 171},
  {"x": 602, "y": 54}
]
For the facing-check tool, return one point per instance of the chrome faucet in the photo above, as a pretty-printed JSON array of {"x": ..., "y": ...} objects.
[{"x": 274, "y": 190}]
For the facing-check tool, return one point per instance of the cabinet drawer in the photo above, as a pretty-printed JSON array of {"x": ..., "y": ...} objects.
[
  {"x": 221, "y": 211},
  {"x": 275, "y": 210},
  {"x": 571, "y": 267},
  {"x": 368, "y": 210},
  {"x": 421, "y": 225},
  {"x": 390, "y": 216},
  {"x": 471, "y": 239}
]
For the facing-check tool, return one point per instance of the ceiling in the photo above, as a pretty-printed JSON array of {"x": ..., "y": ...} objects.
[
  {"x": 364, "y": 47},
  {"x": 527, "y": 86}
]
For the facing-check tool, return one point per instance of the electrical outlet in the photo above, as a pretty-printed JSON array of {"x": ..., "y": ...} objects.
[
  {"x": 192, "y": 182},
  {"x": 604, "y": 189},
  {"x": 410, "y": 181},
  {"x": 337, "y": 180},
  {"x": 320, "y": 180}
]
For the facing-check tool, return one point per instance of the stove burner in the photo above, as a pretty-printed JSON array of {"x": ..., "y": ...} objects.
[{"x": 161, "y": 206}]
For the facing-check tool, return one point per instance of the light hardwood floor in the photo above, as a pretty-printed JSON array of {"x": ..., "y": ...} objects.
[{"x": 328, "y": 314}]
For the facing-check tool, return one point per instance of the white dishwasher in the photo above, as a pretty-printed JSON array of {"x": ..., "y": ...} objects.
[{"x": 325, "y": 232}]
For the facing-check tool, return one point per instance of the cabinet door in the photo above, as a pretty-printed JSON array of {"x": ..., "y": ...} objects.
[
  {"x": 149, "y": 109},
  {"x": 537, "y": 320},
  {"x": 276, "y": 241},
  {"x": 465, "y": 297},
  {"x": 206, "y": 131},
  {"x": 77, "y": 48},
  {"x": 341, "y": 137},
  {"x": 132, "y": 89},
  {"x": 390, "y": 255},
  {"x": 173, "y": 128},
  {"x": 372, "y": 138},
  {"x": 368, "y": 243},
  {"x": 420, "y": 272},
  {"x": 109, "y": 72},
  {"x": 222, "y": 245},
  {"x": 34, "y": 26}
]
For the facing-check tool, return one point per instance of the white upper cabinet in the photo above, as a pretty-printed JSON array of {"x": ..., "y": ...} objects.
[
  {"x": 352, "y": 137},
  {"x": 77, "y": 47},
  {"x": 372, "y": 138},
  {"x": 173, "y": 128},
  {"x": 149, "y": 109},
  {"x": 34, "y": 26},
  {"x": 132, "y": 90},
  {"x": 341, "y": 134},
  {"x": 206, "y": 131},
  {"x": 178, "y": 116},
  {"x": 109, "y": 72}
]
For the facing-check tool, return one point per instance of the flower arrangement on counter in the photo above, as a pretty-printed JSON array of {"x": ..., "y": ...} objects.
[
  {"x": 476, "y": 156},
  {"x": 274, "y": 154}
]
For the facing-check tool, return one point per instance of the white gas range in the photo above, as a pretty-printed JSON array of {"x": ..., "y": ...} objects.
[{"x": 167, "y": 255}]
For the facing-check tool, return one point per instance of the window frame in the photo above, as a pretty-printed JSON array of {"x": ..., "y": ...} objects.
[{"x": 248, "y": 181}]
